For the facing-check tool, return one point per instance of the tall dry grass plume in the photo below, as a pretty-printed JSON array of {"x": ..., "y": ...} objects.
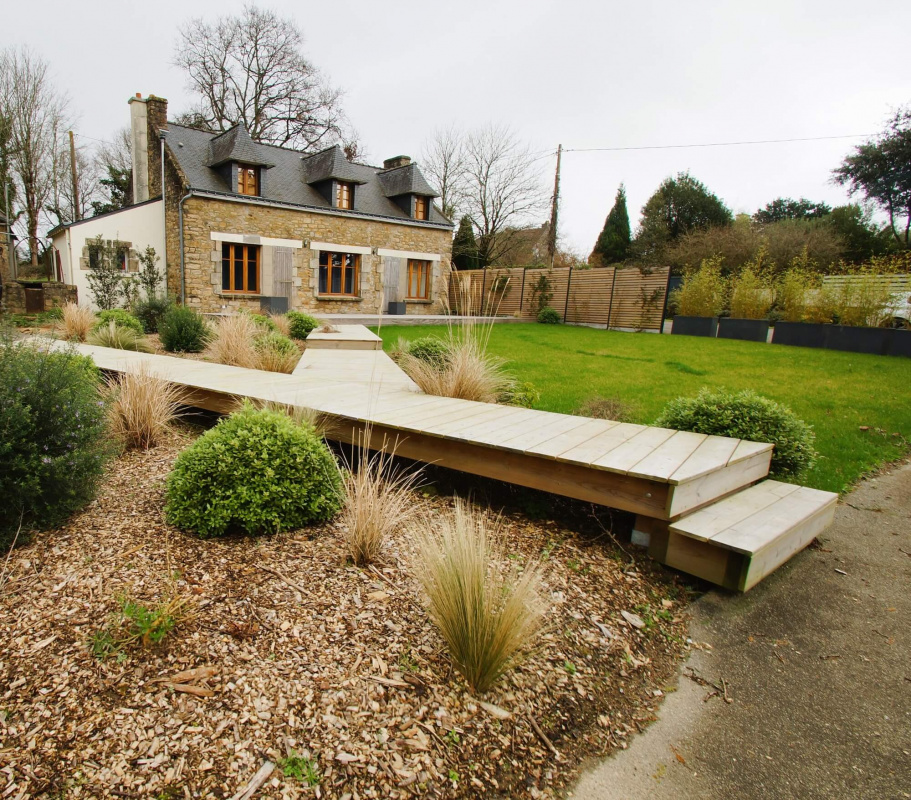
[
  {"x": 234, "y": 342},
  {"x": 282, "y": 324},
  {"x": 468, "y": 372},
  {"x": 120, "y": 338},
  {"x": 487, "y": 611},
  {"x": 76, "y": 322},
  {"x": 379, "y": 499},
  {"x": 142, "y": 407}
]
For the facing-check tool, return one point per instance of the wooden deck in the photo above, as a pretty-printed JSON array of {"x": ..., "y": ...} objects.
[{"x": 657, "y": 473}]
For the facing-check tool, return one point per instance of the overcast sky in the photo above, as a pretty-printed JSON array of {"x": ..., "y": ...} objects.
[{"x": 584, "y": 74}]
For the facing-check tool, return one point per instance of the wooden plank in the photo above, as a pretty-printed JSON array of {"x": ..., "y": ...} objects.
[
  {"x": 713, "y": 453},
  {"x": 718, "y": 517},
  {"x": 597, "y": 446},
  {"x": 751, "y": 534},
  {"x": 452, "y": 427},
  {"x": 499, "y": 426},
  {"x": 623, "y": 457},
  {"x": 664, "y": 460},
  {"x": 440, "y": 405},
  {"x": 769, "y": 558},
  {"x": 577, "y": 436},
  {"x": 443, "y": 413},
  {"x": 747, "y": 449},
  {"x": 702, "y": 559},
  {"x": 546, "y": 428},
  {"x": 689, "y": 496}
]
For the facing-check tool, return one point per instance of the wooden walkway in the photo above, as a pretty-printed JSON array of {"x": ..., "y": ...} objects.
[{"x": 659, "y": 474}]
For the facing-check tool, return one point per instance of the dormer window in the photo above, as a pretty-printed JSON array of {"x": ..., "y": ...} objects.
[
  {"x": 248, "y": 180},
  {"x": 344, "y": 195},
  {"x": 420, "y": 208}
]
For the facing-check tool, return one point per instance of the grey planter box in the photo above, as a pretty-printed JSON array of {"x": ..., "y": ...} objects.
[
  {"x": 396, "y": 307},
  {"x": 273, "y": 305},
  {"x": 695, "y": 326},
  {"x": 900, "y": 344},
  {"x": 874, "y": 341},
  {"x": 801, "y": 334},
  {"x": 749, "y": 330}
]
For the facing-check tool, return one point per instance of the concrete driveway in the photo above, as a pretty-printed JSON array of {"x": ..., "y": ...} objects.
[{"x": 817, "y": 663}]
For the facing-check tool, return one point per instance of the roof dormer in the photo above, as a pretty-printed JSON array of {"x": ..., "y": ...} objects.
[
  {"x": 404, "y": 184},
  {"x": 239, "y": 161},
  {"x": 333, "y": 176}
]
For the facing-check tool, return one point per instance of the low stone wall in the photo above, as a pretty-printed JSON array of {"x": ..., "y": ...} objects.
[{"x": 54, "y": 294}]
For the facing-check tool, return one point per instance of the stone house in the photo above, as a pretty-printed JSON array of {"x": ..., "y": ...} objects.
[{"x": 249, "y": 225}]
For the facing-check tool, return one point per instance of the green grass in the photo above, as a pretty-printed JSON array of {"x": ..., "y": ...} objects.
[{"x": 835, "y": 392}]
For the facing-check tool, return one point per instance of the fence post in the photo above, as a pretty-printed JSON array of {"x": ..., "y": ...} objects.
[
  {"x": 667, "y": 287},
  {"x": 483, "y": 286},
  {"x": 569, "y": 280},
  {"x": 522, "y": 290},
  {"x": 610, "y": 305}
]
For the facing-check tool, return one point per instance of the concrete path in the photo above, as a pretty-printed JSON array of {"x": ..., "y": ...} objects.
[{"x": 817, "y": 660}]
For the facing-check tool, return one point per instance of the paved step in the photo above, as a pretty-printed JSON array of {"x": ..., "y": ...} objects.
[
  {"x": 344, "y": 337},
  {"x": 740, "y": 539}
]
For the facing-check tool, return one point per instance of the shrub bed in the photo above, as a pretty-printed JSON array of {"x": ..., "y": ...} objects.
[
  {"x": 549, "y": 316},
  {"x": 121, "y": 318},
  {"x": 300, "y": 324},
  {"x": 182, "y": 330},
  {"x": 53, "y": 436},
  {"x": 256, "y": 471}
]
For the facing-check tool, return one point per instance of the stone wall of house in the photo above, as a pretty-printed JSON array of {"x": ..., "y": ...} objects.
[
  {"x": 203, "y": 216},
  {"x": 55, "y": 295},
  {"x": 13, "y": 298}
]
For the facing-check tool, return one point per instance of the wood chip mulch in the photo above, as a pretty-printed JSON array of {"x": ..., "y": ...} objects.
[{"x": 289, "y": 650}]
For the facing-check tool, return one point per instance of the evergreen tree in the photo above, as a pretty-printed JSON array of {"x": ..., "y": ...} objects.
[
  {"x": 613, "y": 244},
  {"x": 465, "y": 246},
  {"x": 119, "y": 188}
]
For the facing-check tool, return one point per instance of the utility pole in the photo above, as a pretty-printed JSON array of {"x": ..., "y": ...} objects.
[
  {"x": 76, "y": 215},
  {"x": 552, "y": 233},
  {"x": 10, "y": 250}
]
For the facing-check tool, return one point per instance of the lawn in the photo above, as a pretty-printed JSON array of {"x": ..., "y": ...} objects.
[{"x": 840, "y": 394}]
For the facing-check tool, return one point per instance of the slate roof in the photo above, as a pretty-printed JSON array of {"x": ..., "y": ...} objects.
[
  {"x": 235, "y": 144},
  {"x": 289, "y": 175}
]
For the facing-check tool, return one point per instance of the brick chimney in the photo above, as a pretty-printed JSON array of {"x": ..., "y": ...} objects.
[
  {"x": 396, "y": 161},
  {"x": 148, "y": 116}
]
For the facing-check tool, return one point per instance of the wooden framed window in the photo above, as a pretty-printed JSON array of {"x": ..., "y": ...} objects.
[
  {"x": 240, "y": 268},
  {"x": 419, "y": 276},
  {"x": 420, "y": 208},
  {"x": 344, "y": 195},
  {"x": 339, "y": 273},
  {"x": 248, "y": 180}
]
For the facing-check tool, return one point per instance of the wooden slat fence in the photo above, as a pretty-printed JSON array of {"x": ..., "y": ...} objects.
[{"x": 627, "y": 298}]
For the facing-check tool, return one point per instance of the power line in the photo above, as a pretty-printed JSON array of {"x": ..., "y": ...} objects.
[{"x": 715, "y": 144}]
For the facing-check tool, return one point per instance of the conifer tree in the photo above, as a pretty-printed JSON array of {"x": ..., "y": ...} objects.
[
  {"x": 613, "y": 243},
  {"x": 465, "y": 246}
]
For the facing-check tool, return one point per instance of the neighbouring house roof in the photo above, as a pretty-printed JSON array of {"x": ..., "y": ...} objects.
[{"x": 292, "y": 178}]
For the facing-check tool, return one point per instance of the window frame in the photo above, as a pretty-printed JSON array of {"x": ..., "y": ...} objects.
[
  {"x": 344, "y": 189},
  {"x": 243, "y": 177},
  {"x": 229, "y": 260},
  {"x": 326, "y": 255},
  {"x": 424, "y": 205},
  {"x": 415, "y": 267}
]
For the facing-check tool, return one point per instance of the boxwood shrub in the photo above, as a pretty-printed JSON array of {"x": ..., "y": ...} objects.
[
  {"x": 256, "y": 471},
  {"x": 54, "y": 442},
  {"x": 121, "y": 318},
  {"x": 182, "y": 330},
  {"x": 549, "y": 316},
  {"x": 431, "y": 349},
  {"x": 747, "y": 415},
  {"x": 301, "y": 324}
]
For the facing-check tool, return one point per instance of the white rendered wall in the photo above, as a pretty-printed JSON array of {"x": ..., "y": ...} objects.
[{"x": 141, "y": 226}]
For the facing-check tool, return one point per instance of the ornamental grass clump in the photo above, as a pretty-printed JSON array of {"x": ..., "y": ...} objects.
[
  {"x": 276, "y": 353},
  {"x": 379, "y": 499},
  {"x": 113, "y": 335},
  {"x": 233, "y": 341},
  {"x": 142, "y": 407},
  {"x": 486, "y": 609},
  {"x": 54, "y": 441},
  {"x": 76, "y": 322},
  {"x": 702, "y": 292},
  {"x": 747, "y": 415},
  {"x": 256, "y": 471}
]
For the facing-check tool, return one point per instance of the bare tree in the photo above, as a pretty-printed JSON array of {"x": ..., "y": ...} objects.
[
  {"x": 37, "y": 113},
  {"x": 60, "y": 204},
  {"x": 114, "y": 166},
  {"x": 249, "y": 68},
  {"x": 503, "y": 189},
  {"x": 443, "y": 162}
]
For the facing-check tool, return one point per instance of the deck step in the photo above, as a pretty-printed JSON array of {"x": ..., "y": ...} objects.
[
  {"x": 737, "y": 541},
  {"x": 344, "y": 337}
]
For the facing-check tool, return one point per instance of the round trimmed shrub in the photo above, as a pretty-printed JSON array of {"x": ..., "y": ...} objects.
[
  {"x": 150, "y": 312},
  {"x": 182, "y": 330},
  {"x": 256, "y": 471},
  {"x": 430, "y": 349},
  {"x": 747, "y": 415},
  {"x": 121, "y": 318},
  {"x": 301, "y": 324},
  {"x": 549, "y": 316},
  {"x": 277, "y": 343},
  {"x": 54, "y": 441},
  {"x": 262, "y": 320}
]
